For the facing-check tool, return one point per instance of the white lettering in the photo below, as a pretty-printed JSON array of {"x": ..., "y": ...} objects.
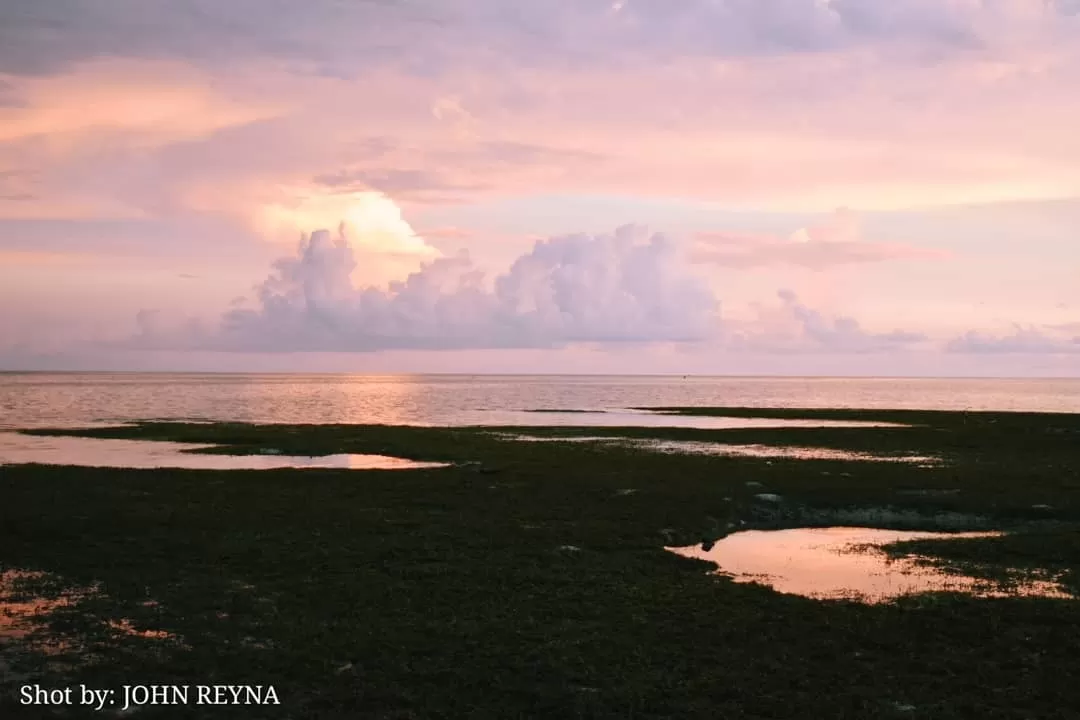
[
  {"x": 37, "y": 695},
  {"x": 97, "y": 698},
  {"x": 236, "y": 695}
]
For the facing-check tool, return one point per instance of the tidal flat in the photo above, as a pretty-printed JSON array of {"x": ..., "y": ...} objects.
[{"x": 531, "y": 580}]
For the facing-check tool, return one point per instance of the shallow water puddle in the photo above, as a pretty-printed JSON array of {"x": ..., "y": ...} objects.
[
  {"x": 693, "y": 447},
  {"x": 567, "y": 439},
  {"x": 776, "y": 451},
  {"x": 16, "y": 448},
  {"x": 647, "y": 418},
  {"x": 845, "y": 562}
]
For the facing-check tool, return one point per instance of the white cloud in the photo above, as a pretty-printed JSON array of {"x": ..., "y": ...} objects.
[
  {"x": 625, "y": 289},
  {"x": 793, "y": 327},
  {"x": 620, "y": 288}
]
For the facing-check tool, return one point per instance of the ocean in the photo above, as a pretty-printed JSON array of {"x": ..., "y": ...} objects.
[{"x": 69, "y": 399}]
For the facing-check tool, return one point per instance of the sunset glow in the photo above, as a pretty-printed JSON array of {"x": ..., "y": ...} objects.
[{"x": 896, "y": 184}]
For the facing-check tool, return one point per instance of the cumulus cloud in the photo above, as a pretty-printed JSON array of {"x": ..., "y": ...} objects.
[
  {"x": 620, "y": 287},
  {"x": 625, "y": 288},
  {"x": 628, "y": 286},
  {"x": 168, "y": 115},
  {"x": 1022, "y": 340},
  {"x": 836, "y": 241},
  {"x": 795, "y": 327}
]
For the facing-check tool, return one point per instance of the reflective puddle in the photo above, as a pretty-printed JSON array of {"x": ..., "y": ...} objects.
[
  {"x": 644, "y": 418},
  {"x": 694, "y": 447},
  {"x": 575, "y": 439},
  {"x": 16, "y": 448},
  {"x": 846, "y": 563},
  {"x": 776, "y": 451}
]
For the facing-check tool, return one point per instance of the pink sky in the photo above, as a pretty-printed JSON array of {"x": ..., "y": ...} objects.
[{"x": 703, "y": 186}]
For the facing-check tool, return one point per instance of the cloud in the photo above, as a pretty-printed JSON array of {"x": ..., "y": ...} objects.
[
  {"x": 101, "y": 240},
  {"x": 792, "y": 327},
  {"x": 184, "y": 129},
  {"x": 329, "y": 36},
  {"x": 88, "y": 143},
  {"x": 43, "y": 37},
  {"x": 622, "y": 287},
  {"x": 1069, "y": 327},
  {"x": 207, "y": 106},
  {"x": 837, "y": 241},
  {"x": 625, "y": 287},
  {"x": 153, "y": 100},
  {"x": 458, "y": 170},
  {"x": 1022, "y": 340},
  {"x": 412, "y": 184},
  {"x": 492, "y": 154}
]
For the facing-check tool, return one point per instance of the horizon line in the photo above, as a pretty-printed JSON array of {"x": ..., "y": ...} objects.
[{"x": 548, "y": 374}]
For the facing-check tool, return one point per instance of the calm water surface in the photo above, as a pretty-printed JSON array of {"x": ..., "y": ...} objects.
[
  {"x": 847, "y": 562},
  {"x": 17, "y": 448},
  {"x": 35, "y": 400}
]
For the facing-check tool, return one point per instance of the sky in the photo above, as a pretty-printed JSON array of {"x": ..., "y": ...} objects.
[{"x": 791, "y": 187}]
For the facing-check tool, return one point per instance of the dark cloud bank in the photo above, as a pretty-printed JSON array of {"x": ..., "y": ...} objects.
[{"x": 335, "y": 36}]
